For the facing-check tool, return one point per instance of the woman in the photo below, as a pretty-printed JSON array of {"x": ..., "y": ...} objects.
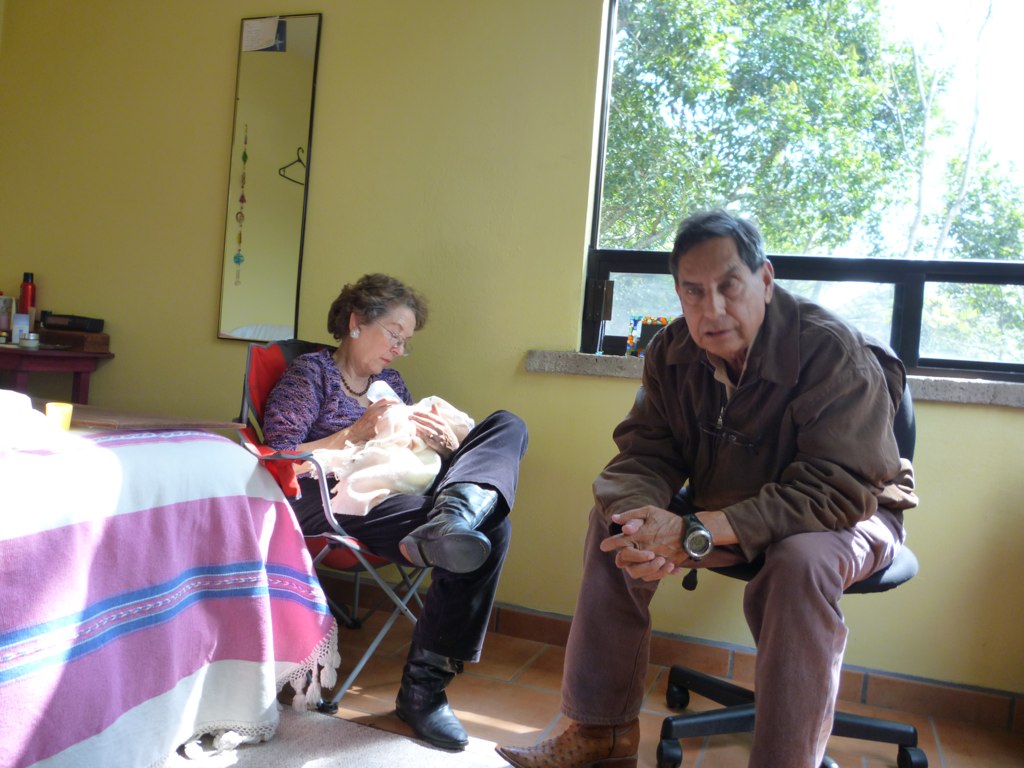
[{"x": 460, "y": 526}]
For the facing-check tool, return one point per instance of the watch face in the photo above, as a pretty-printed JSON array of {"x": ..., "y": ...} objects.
[{"x": 698, "y": 543}]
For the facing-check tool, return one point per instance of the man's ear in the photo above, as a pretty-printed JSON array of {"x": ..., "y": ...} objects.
[{"x": 768, "y": 275}]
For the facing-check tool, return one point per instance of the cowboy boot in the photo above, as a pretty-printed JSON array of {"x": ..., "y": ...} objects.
[
  {"x": 581, "y": 746},
  {"x": 422, "y": 702},
  {"x": 449, "y": 538}
]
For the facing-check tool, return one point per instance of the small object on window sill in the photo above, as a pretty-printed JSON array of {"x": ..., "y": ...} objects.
[{"x": 642, "y": 329}]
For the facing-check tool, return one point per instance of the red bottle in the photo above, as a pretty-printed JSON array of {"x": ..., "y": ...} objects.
[{"x": 28, "y": 293}]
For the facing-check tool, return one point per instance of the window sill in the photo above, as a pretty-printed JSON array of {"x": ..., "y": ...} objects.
[{"x": 939, "y": 389}]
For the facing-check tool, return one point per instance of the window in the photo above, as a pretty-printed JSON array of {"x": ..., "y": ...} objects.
[{"x": 874, "y": 142}]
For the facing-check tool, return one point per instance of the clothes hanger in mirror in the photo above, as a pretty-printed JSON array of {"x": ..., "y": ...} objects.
[{"x": 283, "y": 170}]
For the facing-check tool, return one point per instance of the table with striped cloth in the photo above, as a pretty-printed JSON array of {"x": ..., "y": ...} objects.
[{"x": 153, "y": 586}]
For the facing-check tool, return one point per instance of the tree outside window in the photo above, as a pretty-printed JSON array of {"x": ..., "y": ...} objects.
[{"x": 845, "y": 128}]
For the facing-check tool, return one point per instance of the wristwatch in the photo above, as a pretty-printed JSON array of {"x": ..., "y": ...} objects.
[{"x": 697, "y": 539}]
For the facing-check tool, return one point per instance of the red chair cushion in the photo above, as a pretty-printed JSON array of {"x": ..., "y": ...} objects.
[
  {"x": 282, "y": 471},
  {"x": 266, "y": 365}
]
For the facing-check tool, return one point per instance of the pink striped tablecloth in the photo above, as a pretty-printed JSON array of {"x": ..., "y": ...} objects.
[{"x": 155, "y": 586}]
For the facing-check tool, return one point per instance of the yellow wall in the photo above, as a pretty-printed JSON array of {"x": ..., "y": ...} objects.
[{"x": 453, "y": 147}]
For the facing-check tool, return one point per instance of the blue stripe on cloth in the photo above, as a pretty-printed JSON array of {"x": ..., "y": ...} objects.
[
  {"x": 287, "y": 583},
  {"x": 29, "y": 649}
]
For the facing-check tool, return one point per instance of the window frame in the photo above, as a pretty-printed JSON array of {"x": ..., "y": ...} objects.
[{"x": 908, "y": 276}]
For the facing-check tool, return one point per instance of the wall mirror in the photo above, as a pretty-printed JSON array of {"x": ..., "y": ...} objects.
[{"x": 268, "y": 177}]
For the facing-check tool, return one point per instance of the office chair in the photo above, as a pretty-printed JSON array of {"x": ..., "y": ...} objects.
[
  {"x": 335, "y": 554},
  {"x": 737, "y": 715}
]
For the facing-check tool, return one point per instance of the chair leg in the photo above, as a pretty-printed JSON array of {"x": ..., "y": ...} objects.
[
  {"x": 357, "y": 621},
  {"x": 410, "y": 592},
  {"x": 406, "y": 581},
  {"x": 873, "y": 729},
  {"x": 341, "y": 615},
  {"x": 708, "y": 686},
  {"x": 350, "y": 616},
  {"x": 903, "y": 735},
  {"x": 733, "y": 719},
  {"x": 408, "y": 585},
  {"x": 737, "y": 716}
]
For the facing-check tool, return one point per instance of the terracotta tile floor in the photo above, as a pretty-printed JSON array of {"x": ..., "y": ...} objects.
[{"x": 512, "y": 697}]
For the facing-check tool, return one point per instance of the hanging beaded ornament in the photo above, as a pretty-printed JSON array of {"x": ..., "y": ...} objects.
[{"x": 238, "y": 258}]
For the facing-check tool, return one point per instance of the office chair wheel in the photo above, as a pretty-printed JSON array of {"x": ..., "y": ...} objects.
[
  {"x": 677, "y": 697},
  {"x": 911, "y": 757},
  {"x": 670, "y": 753},
  {"x": 326, "y": 708}
]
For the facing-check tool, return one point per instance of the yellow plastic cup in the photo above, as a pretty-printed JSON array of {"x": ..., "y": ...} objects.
[{"x": 60, "y": 414}]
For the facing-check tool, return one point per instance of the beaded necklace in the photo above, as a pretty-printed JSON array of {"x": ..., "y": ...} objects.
[{"x": 348, "y": 386}]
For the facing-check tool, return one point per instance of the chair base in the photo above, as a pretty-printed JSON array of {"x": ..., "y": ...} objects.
[{"x": 737, "y": 716}]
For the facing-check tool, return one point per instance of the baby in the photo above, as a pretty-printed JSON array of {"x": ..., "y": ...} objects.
[{"x": 396, "y": 460}]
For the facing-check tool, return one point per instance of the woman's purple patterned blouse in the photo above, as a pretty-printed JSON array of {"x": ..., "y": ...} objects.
[{"x": 309, "y": 402}]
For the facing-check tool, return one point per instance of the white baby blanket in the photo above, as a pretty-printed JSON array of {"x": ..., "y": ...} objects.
[{"x": 395, "y": 461}]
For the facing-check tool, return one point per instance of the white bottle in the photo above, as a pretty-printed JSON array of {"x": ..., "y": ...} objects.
[{"x": 379, "y": 390}]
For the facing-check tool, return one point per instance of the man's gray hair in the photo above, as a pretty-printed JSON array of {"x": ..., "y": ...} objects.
[{"x": 708, "y": 225}]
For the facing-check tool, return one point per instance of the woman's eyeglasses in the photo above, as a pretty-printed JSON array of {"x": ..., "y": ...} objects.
[{"x": 403, "y": 346}]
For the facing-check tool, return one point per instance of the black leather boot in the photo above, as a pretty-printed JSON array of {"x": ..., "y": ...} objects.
[
  {"x": 422, "y": 702},
  {"x": 448, "y": 539}
]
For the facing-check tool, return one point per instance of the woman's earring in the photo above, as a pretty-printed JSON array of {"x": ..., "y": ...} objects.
[{"x": 354, "y": 333}]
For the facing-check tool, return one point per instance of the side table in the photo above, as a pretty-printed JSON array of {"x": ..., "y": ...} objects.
[{"x": 22, "y": 362}]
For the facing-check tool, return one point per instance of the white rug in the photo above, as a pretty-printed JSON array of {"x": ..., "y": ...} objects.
[{"x": 313, "y": 740}]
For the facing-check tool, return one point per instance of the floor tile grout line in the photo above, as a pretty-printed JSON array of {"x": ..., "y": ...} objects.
[
  {"x": 652, "y": 690},
  {"x": 705, "y": 742},
  {"x": 529, "y": 663},
  {"x": 547, "y": 731},
  {"x": 558, "y": 715},
  {"x": 938, "y": 744}
]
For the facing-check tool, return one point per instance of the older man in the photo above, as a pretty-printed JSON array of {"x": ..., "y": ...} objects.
[{"x": 779, "y": 416}]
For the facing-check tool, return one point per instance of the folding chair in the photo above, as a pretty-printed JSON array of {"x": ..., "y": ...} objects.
[{"x": 335, "y": 554}]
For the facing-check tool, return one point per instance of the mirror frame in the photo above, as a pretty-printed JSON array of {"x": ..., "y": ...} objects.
[{"x": 232, "y": 208}]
